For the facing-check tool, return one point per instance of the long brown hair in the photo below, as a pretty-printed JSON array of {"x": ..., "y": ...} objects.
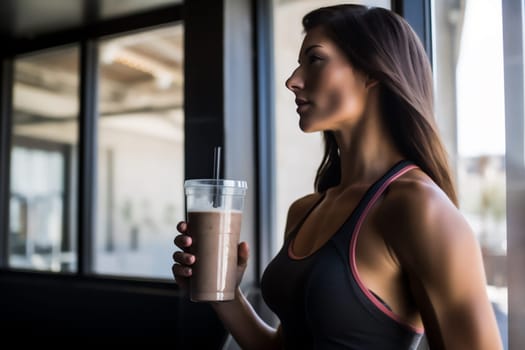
[{"x": 382, "y": 44}]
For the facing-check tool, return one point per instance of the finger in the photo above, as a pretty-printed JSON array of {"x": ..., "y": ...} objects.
[
  {"x": 182, "y": 241},
  {"x": 182, "y": 282},
  {"x": 180, "y": 270},
  {"x": 183, "y": 258},
  {"x": 179, "y": 280},
  {"x": 182, "y": 227},
  {"x": 243, "y": 253}
]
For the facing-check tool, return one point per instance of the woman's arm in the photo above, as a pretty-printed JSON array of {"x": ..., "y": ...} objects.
[
  {"x": 241, "y": 320},
  {"x": 439, "y": 252}
]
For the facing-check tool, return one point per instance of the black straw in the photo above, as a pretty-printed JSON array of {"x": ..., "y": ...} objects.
[
  {"x": 216, "y": 175},
  {"x": 217, "y": 163}
]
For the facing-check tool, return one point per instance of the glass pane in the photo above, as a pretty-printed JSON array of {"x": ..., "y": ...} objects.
[
  {"x": 297, "y": 154},
  {"x": 43, "y": 155},
  {"x": 140, "y": 152},
  {"x": 468, "y": 69}
]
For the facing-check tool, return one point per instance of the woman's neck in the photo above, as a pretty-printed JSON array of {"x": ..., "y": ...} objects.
[{"x": 366, "y": 150}]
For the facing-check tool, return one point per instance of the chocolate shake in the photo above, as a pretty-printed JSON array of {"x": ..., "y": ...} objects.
[
  {"x": 215, "y": 235},
  {"x": 214, "y": 210}
]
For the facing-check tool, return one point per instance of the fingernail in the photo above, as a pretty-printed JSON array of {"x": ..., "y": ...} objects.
[{"x": 187, "y": 270}]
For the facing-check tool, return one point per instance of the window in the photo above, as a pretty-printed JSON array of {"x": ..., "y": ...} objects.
[
  {"x": 140, "y": 152},
  {"x": 468, "y": 68},
  {"x": 43, "y": 161},
  {"x": 140, "y": 157}
]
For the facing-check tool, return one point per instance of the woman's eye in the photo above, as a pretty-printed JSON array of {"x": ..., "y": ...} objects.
[{"x": 314, "y": 58}]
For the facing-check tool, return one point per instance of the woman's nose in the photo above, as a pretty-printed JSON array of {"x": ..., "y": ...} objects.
[{"x": 295, "y": 82}]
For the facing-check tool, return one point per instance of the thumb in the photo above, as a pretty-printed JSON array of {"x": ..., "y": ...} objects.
[{"x": 243, "y": 252}]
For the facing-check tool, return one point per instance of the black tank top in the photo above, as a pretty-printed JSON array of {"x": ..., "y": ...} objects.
[{"x": 320, "y": 299}]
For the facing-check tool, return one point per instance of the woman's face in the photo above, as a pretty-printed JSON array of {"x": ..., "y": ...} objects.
[{"x": 330, "y": 94}]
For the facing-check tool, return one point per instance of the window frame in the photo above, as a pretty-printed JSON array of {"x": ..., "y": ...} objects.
[
  {"x": 266, "y": 153},
  {"x": 6, "y": 101},
  {"x": 513, "y": 13},
  {"x": 418, "y": 14}
]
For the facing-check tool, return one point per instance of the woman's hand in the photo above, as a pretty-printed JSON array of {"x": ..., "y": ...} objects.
[{"x": 184, "y": 259}]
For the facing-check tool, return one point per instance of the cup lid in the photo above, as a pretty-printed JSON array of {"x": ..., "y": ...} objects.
[{"x": 216, "y": 183}]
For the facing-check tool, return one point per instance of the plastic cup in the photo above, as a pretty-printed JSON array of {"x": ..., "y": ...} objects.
[{"x": 214, "y": 212}]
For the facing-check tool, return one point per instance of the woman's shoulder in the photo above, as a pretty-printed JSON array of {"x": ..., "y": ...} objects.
[
  {"x": 414, "y": 193},
  {"x": 417, "y": 215}
]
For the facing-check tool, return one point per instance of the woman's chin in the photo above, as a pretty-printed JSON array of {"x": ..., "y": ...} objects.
[
  {"x": 310, "y": 130},
  {"x": 304, "y": 126},
  {"x": 307, "y": 126}
]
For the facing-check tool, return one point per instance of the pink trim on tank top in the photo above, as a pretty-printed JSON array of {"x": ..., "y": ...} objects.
[
  {"x": 353, "y": 245},
  {"x": 290, "y": 251}
]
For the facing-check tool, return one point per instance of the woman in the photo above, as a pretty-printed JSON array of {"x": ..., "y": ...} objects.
[{"x": 379, "y": 252}]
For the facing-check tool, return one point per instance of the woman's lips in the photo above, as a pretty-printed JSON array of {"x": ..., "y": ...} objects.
[{"x": 302, "y": 105}]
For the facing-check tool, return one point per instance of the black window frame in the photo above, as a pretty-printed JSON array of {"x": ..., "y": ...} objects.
[
  {"x": 419, "y": 14},
  {"x": 6, "y": 82}
]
